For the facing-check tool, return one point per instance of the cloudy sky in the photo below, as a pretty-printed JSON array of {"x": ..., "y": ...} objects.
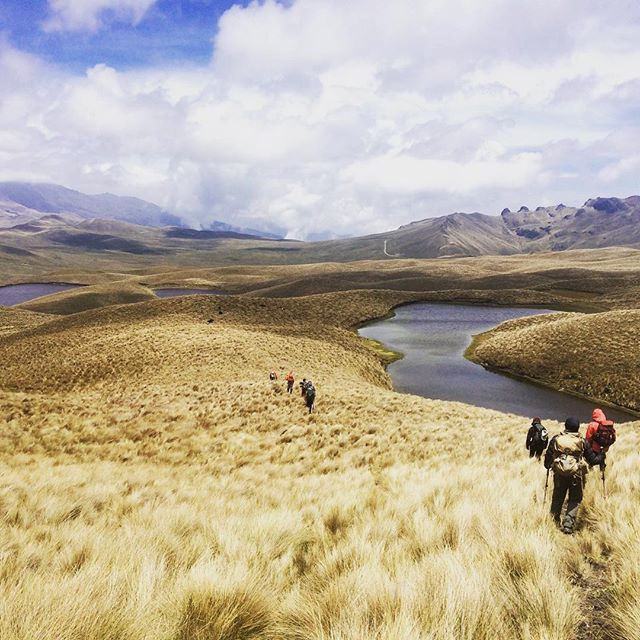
[{"x": 323, "y": 116}]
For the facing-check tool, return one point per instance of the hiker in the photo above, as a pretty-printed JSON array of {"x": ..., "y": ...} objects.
[
  {"x": 310, "y": 395},
  {"x": 537, "y": 439},
  {"x": 290, "y": 381},
  {"x": 303, "y": 387},
  {"x": 569, "y": 456},
  {"x": 273, "y": 376},
  {"x": 601, "y": 434}
]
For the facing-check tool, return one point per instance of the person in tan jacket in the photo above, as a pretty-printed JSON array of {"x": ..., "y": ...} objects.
[{"x": 569, "y": 456}]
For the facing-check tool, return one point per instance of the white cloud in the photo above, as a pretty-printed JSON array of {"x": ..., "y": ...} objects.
[
  {"x": 88, "y": 15},
  {"x": 348, "y": 117},
  {"x": 407, "y": 174}
]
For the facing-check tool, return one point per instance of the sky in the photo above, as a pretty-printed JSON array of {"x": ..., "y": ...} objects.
[{"x": 323, "y": 118}]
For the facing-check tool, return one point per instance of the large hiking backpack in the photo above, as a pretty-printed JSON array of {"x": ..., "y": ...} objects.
[
  {"x": 605, "y": 435},
  {"x": 540, "y": 438},
  {"x": 569, "y": 449},
  {"x": 310, "y": 392}
]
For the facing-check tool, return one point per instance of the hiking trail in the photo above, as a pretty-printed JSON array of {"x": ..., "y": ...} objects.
[{"x": 594, "y": 626}]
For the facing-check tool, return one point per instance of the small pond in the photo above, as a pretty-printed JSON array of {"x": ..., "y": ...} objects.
[{"x": 18, "y": 293}]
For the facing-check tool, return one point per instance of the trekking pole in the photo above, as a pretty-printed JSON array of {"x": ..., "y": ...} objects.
[
  {"x": 604, "y": 486},
  {"x": 546, "y": 484}
]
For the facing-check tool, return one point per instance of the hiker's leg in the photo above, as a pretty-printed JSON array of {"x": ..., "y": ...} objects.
[
  {"x": 573, "y": 504},
  {"x": 560, "y": 487}
]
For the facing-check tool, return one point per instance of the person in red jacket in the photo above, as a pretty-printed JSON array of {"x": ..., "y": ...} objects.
[{"x": 601, "y": 433}]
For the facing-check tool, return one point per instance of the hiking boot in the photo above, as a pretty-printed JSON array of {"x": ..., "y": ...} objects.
[
  {"x": 568, "y": 524},
  {"x": 566, "y": 530}
]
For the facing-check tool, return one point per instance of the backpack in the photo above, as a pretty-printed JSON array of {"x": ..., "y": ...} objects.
[
  {"x": 540, "y": 436},
  {"x": 605, "y": 434},
  {"x": 569, "y": 449},
  {"x": 310, "y": 391}
]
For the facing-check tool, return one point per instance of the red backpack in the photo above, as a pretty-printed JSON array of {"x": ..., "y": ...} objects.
[{"x": 605, "y": 434}]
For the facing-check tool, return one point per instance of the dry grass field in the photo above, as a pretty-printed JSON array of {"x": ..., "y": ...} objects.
[
  {"x": 155, "y": 485},
  {"x": 587, "y": 280}
]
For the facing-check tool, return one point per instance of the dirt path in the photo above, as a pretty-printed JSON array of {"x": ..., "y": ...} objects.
[{"x": 595, "y": 624}]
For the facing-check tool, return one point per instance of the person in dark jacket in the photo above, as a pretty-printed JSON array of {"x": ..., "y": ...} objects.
[
  {"x": 310, "y": 396},
  {"x": 537, "y": 439},
  {"x": 569, "y": 456}
]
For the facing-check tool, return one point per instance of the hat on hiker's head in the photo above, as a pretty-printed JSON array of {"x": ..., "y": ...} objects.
[
  {"x": 572, "y": 424},
  {"x": 536, "y": 420}
]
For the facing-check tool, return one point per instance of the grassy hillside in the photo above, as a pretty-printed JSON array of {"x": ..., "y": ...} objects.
[
  {"x": 596, "y": 355},
  {"x": 155, "y": 485},
  {"x": 592, "y": 280},
  {"x": 90, "y": 297}
]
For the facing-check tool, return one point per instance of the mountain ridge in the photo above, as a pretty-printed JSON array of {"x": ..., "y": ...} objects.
[
  {"x": 25, "y": 201},
  {"x": 601, "y": 222}
]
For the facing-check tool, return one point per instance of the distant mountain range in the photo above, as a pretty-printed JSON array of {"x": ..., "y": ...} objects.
[
  {"x": 600, "y": 222},
  {"x": 22, "y": 202},
  {"x": 39, "y": 217}
]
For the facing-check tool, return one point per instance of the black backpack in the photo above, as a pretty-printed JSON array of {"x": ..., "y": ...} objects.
[{"x": 540, "y": 436}]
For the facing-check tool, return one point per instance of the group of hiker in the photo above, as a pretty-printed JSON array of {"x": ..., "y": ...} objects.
[
  {"x": 307, "y": 389},
  {"x": 570, "y": 456}
]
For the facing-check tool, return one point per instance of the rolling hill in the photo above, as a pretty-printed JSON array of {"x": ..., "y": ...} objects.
[{"x": 153, "y": 427}]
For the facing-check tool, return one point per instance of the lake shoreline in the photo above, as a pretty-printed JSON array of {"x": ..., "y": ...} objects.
[{"x": 469, "y": 353}]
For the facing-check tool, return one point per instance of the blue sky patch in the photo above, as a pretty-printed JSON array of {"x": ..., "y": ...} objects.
[{"x": 171, "y": 32}]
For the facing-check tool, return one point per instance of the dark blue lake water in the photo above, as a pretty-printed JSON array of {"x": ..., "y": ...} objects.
[
  {"x": 17, "y": 293},
  {"x": 434, "y": 337}
]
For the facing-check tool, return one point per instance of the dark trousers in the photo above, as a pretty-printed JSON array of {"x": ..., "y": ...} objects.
[
  {"x": 289, "y": 386},
  {"x": 535, "y": 452},
  {"x": 561, "y": 487}
]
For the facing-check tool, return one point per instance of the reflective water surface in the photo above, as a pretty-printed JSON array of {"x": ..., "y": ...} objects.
[
  {"x": 17, "y": 293},
  {"x": 433, "y": 339}
]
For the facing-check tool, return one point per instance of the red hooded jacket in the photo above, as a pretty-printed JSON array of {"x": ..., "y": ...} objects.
[{"x": 598, "y": 418}]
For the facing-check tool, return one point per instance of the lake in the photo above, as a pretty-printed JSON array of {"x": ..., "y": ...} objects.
[
  {"x": 433, "y": 339},
  {"x": 17, "y": 293}
]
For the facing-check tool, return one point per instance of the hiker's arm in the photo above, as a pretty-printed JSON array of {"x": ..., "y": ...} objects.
[
  {"x": 550, "y": 453},
  {"x": 548, "y": 456},
  {"x": 591, "y": 456},
  {"x": 529, "y": 437}
]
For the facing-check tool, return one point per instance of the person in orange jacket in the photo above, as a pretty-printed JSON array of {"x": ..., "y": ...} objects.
[
  {"x": 290, "y": 381},
  {"x": 601, "y": 434}
]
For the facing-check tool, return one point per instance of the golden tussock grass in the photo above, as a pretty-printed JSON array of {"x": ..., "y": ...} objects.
[
  {"x": 595, "y": 279},
  {"x": 155, "y": 485},
  {"x": 90, "y": 297}
]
